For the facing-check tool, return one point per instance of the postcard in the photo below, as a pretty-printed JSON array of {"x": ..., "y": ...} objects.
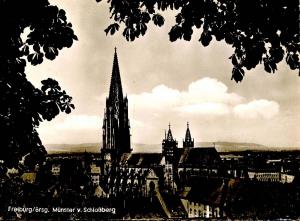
[{"x": 149, "y": 110}]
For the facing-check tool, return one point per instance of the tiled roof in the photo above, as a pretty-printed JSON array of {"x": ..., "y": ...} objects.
[
  {"x": 206, "y": 191},
  {"x": 144, "y": 160},
  {"x": 202, "y": 156}
]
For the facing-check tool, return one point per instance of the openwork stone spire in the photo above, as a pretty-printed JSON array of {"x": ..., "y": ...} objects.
[{"x": 115, "y": 90}]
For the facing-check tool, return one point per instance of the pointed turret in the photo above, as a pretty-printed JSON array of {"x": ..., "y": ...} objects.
[{"x": 188, "y": 141}]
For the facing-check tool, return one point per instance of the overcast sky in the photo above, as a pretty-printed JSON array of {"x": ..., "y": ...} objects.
[{"x": 166, "y": 82}]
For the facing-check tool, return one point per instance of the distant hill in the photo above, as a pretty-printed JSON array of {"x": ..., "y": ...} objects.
[
  {"x": 231, "y": 146},
  {"x": 64, "y": 148},
  {"x": 235, "y": 146},
  {"x": 138, "y": 147},
  {"x": 95, "y": 147}
]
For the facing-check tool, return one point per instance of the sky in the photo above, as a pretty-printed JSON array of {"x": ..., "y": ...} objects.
[{"x": 166, "y": 82}]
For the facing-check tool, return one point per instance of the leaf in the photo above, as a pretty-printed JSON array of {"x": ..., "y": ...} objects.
[
  {"x": 61, "y": 13},
  {"x": 141, "y": 28},
  {"x": 145, "y": 17},
  {"x": 50, "y": 52},
  {"x": 179, "y": 18},
  {"x": 277, "y": 54},
  {"x": 129, "y": 34},
  {"x": 68, "y": 110},
  {"x": 175, "y": 33},
  {"x": 237, "y": 74},
  {"x": 267, "y": 65},
  {"x": 36, "y": 47},
  {"x": 198, "y": 23},
  {"x": 25, "y": 49},
  {"x": 234, "y": 60},
  {"x": 267, "y": 68},
  {"x": 112, "y": 28},
  {"x": 205, "y": 38},
  {"x": 35, "y": 58},
  {"x": 187, "y": 34},
  {"x": 229, "y": 39},
  {"x": 158, "y": 20}
]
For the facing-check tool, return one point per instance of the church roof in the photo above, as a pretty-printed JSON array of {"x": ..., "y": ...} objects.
[
  {"x": 144, "y": 160},
  {"x": 115, "y": 90},
  {"x": 201, "y": 156},
  {"x": 206, "y": 191}
]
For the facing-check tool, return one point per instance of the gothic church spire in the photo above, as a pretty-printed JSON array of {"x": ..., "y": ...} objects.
[
  {"x": 116, "y": 127},
  {"x": 115, "y": 90}
]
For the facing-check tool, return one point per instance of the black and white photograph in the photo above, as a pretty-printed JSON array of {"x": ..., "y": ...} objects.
[{"x": 149, "y": 110}]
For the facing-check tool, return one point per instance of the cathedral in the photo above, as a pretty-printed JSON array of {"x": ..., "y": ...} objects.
[{"x": 146, "y": 175}]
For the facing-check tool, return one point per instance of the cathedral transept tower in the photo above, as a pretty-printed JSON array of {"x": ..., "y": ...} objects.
[
  {"x": 188, "y": 141},
  {"x": 169, "y": 152}
]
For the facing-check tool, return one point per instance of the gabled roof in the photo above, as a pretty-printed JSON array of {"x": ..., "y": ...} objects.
[
  {"x": 205, "y": 190},
  {"x": 144, "y": 160},
  {"x": 199, "y": 156},
  {"x": 151, "y": 174}
]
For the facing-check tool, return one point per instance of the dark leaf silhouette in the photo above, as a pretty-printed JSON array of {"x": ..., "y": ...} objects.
[
  {"x": 158, "y": 20},
  {"x": 255, "y": 29},
  {"x": 205, "y": 38},
  {"x": 112, "y": 29},
  {"x": 35, "y": 58},
  {"x": 175, "y": 33},
  {"x": 129, "y": 34},
  {"x": 237, "y": 74},
  {"x": 50, "y": 52},
  {"x": 145, "y": 17}
]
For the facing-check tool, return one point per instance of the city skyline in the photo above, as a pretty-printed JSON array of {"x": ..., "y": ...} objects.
[{"x": 166, "y": 82}]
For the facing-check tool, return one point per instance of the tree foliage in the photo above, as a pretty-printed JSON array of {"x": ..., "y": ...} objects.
[
  {"x": 23, "y": 106},
  {"x": 260, "y": 31}
]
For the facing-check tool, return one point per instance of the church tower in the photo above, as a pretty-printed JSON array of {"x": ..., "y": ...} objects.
[
  {"x": 116, "y": 127},
  {"x": 169, "y": 152},
  {"x": 188, "y": 141},
  {"x": 169, "y": 146}
]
